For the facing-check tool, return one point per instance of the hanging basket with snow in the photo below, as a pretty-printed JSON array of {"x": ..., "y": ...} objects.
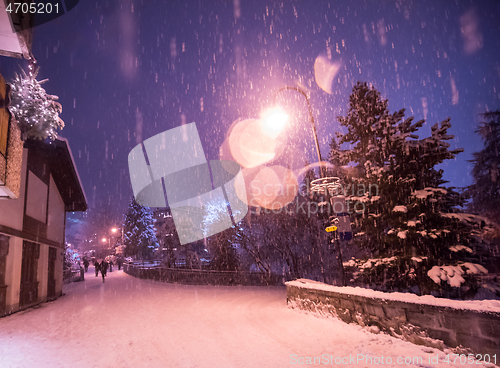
[{"x": 36, "y": 112}]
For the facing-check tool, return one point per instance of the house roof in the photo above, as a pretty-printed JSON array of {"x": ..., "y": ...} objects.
[
  {"x": 15, "y": 33},
  {"x": 63, "y": 170}
]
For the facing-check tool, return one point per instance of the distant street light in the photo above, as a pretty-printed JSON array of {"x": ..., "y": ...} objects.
[
  {"x": 104, "y": 240},
  {"x": 114, "y": 230}
]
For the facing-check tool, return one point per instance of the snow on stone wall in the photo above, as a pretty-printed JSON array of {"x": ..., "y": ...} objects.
[{"x": 422, "y": 320}]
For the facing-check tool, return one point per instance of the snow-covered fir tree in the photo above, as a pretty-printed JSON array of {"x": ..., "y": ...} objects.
[
  {"x": 139, "y": 231},
  {"x": 401, "y": 203},
  {"x": 485, "y": 190}
]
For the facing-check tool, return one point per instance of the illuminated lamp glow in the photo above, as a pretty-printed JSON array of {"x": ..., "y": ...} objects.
[{"x": 273, "y": 121}]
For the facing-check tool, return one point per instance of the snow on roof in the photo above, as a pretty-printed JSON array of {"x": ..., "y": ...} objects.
[{"x": 475, "y": 305}]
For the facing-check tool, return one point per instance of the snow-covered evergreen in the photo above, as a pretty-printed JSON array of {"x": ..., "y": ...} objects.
[
  {"x": 139, "y": 231},
  {"x": 485, "y": 190},
  {"x": 405, "y": 217}
]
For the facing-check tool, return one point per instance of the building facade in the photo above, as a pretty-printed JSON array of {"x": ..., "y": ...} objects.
[
  {"x": 32, "y": 226},
  {"x": 39, "y": 183}
]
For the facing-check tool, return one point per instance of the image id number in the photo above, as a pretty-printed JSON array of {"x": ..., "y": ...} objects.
[{"x": 32, "y": 8}]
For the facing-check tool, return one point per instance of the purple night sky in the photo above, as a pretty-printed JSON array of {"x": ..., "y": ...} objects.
[{"x": 127, "y": 70}]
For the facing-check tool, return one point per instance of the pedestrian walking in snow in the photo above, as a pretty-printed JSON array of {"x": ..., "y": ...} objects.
[
  {"x": 97, "y": 267},
  {"x": 110, "y": 265},
  {"x": 86, "y": 264},
  {"x": 120, "y": 261},
  {"x": 104, "y": 269}
]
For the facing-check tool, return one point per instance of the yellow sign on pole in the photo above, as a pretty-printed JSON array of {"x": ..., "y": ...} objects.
[{"x": 329, "y": 229}]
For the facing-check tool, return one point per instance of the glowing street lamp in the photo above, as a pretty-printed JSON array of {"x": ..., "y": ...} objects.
[
  {"x": 114, "y": 230},
  {"x": 104, "y": 240},
  {"x": 311, "y": 119},
  {"x": 274, "y": 121}
]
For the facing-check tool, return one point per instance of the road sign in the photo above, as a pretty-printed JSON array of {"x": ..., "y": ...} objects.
[{"x": 329, "y": 229}]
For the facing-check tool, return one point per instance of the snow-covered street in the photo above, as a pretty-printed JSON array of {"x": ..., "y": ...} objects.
[{"x": 128, "y": 322}]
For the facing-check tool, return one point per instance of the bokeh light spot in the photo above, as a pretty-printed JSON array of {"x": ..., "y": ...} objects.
[
  {"x": 249, "y": 145},
  {"x": 324, "y": 72}
]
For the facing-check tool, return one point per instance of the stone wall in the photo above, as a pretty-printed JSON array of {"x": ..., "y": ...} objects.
[
  {"x": 203, "y": 277},
  {"x": 423, "y": 324}
]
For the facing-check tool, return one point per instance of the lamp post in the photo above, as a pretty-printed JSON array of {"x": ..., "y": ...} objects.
[
  {"x": 104, "y": 240},
  {"x": 325, "y": 181},
  {"x": 113, "y": 231},
  {"x": 311, "y": 120}
]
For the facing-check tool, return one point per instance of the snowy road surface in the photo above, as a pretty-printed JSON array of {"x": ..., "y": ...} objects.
[{"x": 128, "y": 322}]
